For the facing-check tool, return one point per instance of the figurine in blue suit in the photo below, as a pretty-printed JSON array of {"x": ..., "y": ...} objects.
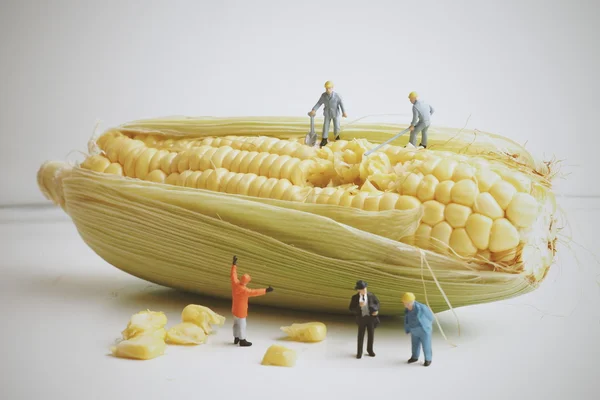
[
  {"x": 421, "y": 114},
  {"x": 332, "y": 105},
  {"x": 418, "y": 321}
]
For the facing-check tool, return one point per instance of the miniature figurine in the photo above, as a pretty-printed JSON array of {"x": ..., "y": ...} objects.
[
  {"x": 418, "y": 321},
  {"x": 240, "y": 294},
  {"x": 332, "y": 104},
  {"x": 421, "y": 114},
  {"x": 365, "y": 307}
]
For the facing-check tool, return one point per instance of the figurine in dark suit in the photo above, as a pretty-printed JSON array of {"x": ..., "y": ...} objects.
[{"x": 365, "y": 306}]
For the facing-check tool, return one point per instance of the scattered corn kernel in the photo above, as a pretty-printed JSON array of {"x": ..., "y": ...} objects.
[
  {"x": 306, "y": 332},
  {"x": 186, "y": 333},
  {"x": 202, "y": 316},
  {"x": 279, "y": 356},
  {"x": 144, "y": 323},
  {"x": 142, "y": 347}
]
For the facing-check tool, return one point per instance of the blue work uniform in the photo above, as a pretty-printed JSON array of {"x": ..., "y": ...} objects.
[
  {"x": 332, "y": 105},
  {"x": 419, "y": 323},
  {"x": 421, "y": 121}
]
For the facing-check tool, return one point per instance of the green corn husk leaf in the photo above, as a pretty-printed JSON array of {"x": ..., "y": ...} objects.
[{"x": 185, "y": 238}]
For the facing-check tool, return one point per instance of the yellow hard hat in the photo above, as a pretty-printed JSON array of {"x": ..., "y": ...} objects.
[
  {"x": 413, "y": 95},
  {"x": 408, "y": 297},
  {"x": 328, "y": 84}
]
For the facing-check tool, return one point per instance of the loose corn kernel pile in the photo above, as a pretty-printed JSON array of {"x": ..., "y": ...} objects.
[{"x": 145, "y": 336}]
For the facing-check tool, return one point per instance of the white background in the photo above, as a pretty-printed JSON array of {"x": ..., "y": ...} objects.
[{"x": 525, "y": 69}]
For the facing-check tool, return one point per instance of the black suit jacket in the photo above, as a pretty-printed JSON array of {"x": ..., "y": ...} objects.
[{"x": 373, "y": 306}]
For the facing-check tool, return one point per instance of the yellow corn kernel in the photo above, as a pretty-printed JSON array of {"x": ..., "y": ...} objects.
[
  {"x": 279, "y": 356},
  {"x": 140, "y": 348},
  {"x": 186, "y": 333},
  {"x": 433, "y": 212},
  {"x": 503, "y": 193},
  {"x": 115, "y": 169},
  {"x": 202, "y": 316},
  {"x": 479, "y": 228},
  {"x": 523, "y": 210},
  {"x": 96, "y": 163},
  {"x": 504, "y": 236},
  {"x": 464, "y": 192},
  {"x": 457, "y": 214},
  {"x": 443, "y": 192},
  {"x": 144, "y": 322},
  {"x": 461, "y": 243},
  {"x": 306, "y": 332}
]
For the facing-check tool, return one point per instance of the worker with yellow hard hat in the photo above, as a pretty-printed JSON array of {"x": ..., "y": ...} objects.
[
  {"x": 332, "y": 105},
  {"x": 421, "y": 119},
  {"x": 418, "y": 322}
]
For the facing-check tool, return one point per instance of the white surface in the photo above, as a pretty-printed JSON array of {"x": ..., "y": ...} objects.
[
  {"x": 523, "y": 69},
  {"x": 63, "y": 307}
]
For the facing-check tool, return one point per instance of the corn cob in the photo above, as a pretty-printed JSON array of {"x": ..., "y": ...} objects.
[{"x": 476, "y": 213}]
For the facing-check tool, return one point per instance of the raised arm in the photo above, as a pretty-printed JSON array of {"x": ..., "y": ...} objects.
[
  {"x": 415, "y": 116},
  {"x": 234, "y": 277}
]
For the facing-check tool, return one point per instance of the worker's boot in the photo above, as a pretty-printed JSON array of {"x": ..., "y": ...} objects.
[
  {"x": 236, "y": 340},
  {"x": 323, "y": 143},
  {"x": 245, "y": 343},
  {"x": 422, "y": 145},
  {"x": 412, "y": 360},
  {"x": 337, "y": 137},
  {"x": 427, "y": 363}
]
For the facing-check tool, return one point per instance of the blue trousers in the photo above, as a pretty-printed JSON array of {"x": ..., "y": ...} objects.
[
  {"x": 421, "y": 127},
  {"x": 327, "y": 123},
  {"x": 420, "y": 338}
]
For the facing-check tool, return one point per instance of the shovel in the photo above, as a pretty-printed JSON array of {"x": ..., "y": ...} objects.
[
  {"x": 311, "y": 136},
  {"x": 386, "y": 142}
]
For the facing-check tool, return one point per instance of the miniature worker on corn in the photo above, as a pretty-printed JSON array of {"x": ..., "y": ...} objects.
[
  {"x": 240, "y": 294},
  {"x": 418, "y": 322},
  {"x": 332, "y": 104},
  {"x": 421, "y": 119}
]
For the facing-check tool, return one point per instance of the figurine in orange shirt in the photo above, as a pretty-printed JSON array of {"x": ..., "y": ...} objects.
[{"x": 240, "y": 294}]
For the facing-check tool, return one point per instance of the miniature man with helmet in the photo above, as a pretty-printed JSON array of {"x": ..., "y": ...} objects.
[{"x": 332, "y": 105}]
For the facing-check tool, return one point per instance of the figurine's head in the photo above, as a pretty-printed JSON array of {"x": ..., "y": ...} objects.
[
  {"x": 245, "y": 279},
  {"x": 361, "y": 287},
  {"x": 329, "y": 87},
  {"x": 409, "y": 300},
  {"x": 413, "y": 96}
]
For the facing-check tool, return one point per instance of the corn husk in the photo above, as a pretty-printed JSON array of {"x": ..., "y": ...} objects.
[{"x": 185, "y": 238}]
